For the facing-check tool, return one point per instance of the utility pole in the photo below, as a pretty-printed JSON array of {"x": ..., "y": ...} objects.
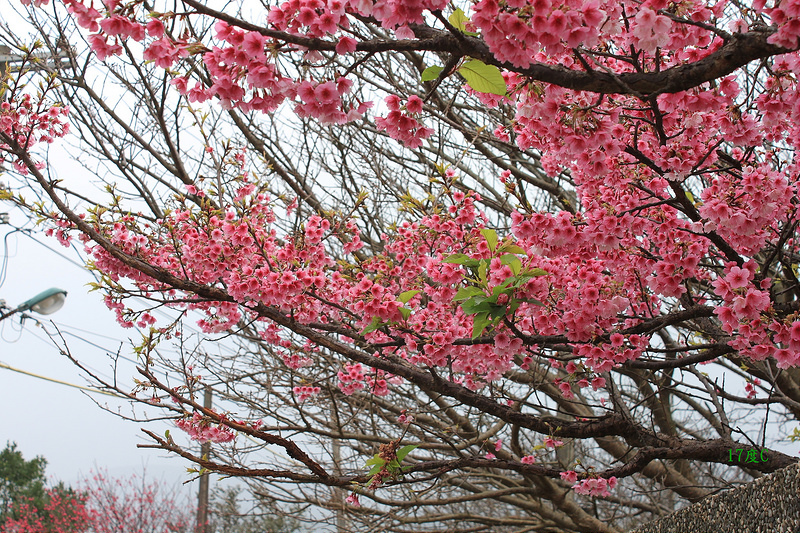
[
  {"x": 337, "y": 494},
  {"x": 4, "y": 218},
  {"x": 5, "y": 58},
  {"x": 203, "y": 492}
]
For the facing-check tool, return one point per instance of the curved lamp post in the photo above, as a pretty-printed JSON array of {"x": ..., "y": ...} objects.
[{"x": 44, "y": 303}]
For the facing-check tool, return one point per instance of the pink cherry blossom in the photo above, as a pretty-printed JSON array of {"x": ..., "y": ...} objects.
[
  {"x": 346, "y": 45},
  {"x": 550, "y": 442},
  {"x": 595, "y": 486},
  {"x": 650, "y": 30},
  {"x": 201, "y": 429},
  {"x": 569, "y": 476}
]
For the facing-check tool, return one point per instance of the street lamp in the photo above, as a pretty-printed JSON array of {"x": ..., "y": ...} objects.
[{"x": 44, "y": 303}]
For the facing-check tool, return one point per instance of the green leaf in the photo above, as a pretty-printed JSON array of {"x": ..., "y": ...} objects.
[
  {"x": 491, "y": 236},
  {"x": 502, "y": 289},
  {"x": 456, "y": 259},
  {"x": 465, "y": 293},
  {"x": 507, "y": 259},
  {"x": 512, "y": 249},
  {"x": 477, "y": 306},
  {"x": 470, "y": 307},
  {"x": 375, "y": 325},
  {"x": 521, "y": 280},
  {"x": 377, "y": 463},
  {"x": 376, "y": 460},
  {"x": 498, "y": 311},
  {"x": 405, "y": 450},
  {"x": 483, "y": 78},
  {"x": 479, "y": 324},
  {"x": 513, "y": 262},
  {"x": 484, "y": 265},
  {"x": 431, "y": 73},
  {"x": 458, "y": 19},
  {"x": 536, "y": 272},
  {"x": 406, "y": 312},
  {"x": 405, "y": 297}
]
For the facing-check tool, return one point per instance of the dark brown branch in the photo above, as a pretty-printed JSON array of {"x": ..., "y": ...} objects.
[{"x": 741, "y": 49}]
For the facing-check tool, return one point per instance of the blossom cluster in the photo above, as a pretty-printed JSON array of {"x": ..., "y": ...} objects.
[
  {"x": 786, "y": 15},
  {"x": 304, "y": 392},
  {"x": 351, "y": 379},
  {"x": 26, "y": 122},
  {"x": 730, "y": 204},
  {"x": 521, "y": 32},
  {"x": 199, "y": 428},
  {"x": 401, "y": 123},
  {"x": 516, "y": 31},
  {"x": 747, "y": 312},
  {"x": 312, "y": 18},
  {"x": 595, "y": 486}
]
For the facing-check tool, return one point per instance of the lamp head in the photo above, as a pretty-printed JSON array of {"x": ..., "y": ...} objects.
[{"x": 46, "y": 302}]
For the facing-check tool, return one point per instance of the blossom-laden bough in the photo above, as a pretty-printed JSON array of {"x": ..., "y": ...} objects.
[{"x": 460, "y": 327}]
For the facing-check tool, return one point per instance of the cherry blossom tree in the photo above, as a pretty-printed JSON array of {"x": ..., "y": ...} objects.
[
  {"x": 63, "y": 511},
  {"x": 135, "y": 504},
  {"x": 28, "y": 505},
  {"x": 491, "y": 266},
  {"x": 102, "y": 505}
]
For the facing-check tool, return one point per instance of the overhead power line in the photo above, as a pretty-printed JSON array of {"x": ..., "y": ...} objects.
[{"x": 31, "y": 374}]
